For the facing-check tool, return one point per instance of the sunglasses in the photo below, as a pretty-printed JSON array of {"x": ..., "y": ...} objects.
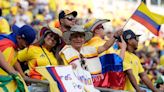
[
  {"x": 83, "y": 65},
  {"x": 54, "y": 36},
  {"x": 69, "y": 18}
]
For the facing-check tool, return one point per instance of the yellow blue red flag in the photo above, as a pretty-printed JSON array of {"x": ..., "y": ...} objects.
[{"x": 150, "y": 20}]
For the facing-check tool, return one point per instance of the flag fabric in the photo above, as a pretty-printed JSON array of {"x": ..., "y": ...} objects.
[
  {"x": 112, "y": 69},
  {"x": 111, "y": 62},
  {"x": 50, "y": 74},
  {"x": 150, "y": 20},
  {"x": 66, "y": 79},
  {"x": 12, "y": 83}
]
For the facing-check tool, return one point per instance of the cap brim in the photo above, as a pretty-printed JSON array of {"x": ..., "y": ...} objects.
[
  {"x": 74, "y": 13},
  {"x": 138, "y": 35}
]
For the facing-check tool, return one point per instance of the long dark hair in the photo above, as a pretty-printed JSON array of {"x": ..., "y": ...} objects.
[{"x": 56, "y": 49}]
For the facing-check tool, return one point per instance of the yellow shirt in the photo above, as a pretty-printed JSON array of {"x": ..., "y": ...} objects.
[
  {"x": 6, "y": 7},
  {"x": 64, "y": 59},
  {"x": 29, "y": 14},
  {"x": 36, "y": 57},
  {"x": 131, "y": 61},
  {"x": 162, "y": 60},
  {"x": 7, "y": 47},
  {"x": 4, "y": 26},
  {"x": 96, "y": 41},
  {"x": 53, "y": 5},
  {"x": 40, "y": 17}
]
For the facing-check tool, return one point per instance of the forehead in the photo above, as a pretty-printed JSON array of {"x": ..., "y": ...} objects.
[{"x": 77, "y": 34}]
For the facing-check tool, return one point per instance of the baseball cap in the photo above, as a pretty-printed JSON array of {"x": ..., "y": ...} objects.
[
  {"x": 129, "y": 34},
  {"x": 28, "y": 33},
  {"x": 15, "y": 28},
  {"x": 64, "y": 13}
]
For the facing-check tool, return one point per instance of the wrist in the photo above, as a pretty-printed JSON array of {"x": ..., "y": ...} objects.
[
  {"x": 13, "y": 72},
  {"x": 155, "y": 90},
  {"x": 138, "y": 89},
  {"x": 115, "y": 37}
]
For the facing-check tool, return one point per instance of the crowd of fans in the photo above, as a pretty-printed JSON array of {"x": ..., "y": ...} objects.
[{"x": 43, "y": 16}]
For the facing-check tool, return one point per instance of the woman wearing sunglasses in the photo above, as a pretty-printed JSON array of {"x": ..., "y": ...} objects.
[{"x": 41, "y": 53}]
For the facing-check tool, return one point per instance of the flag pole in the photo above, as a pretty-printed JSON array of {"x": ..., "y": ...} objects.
[{"x": 131, "y": 15}]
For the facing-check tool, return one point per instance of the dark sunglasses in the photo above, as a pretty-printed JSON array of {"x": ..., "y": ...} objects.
[
  {"x": 83, "y": 62},
  {"x": 54, "y": 36},
  {"x": 69, "y": 18}
]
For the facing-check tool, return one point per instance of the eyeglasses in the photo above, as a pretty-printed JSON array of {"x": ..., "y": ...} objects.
[
  {"x": 83, "y": 62},
  {"x": 54, "y": 36},
  {"x": 69, "y": 18}
]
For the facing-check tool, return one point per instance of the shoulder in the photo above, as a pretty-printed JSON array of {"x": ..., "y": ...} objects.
[
  {"x": 131, "y": 57},
  {"x": 67, "y": 49},
  {"x": 89, "y": 50},
  {"x": 127, "y": 56},
  {"x": 5, "y": 43},
  {"x": 30, "y": 49},
  {"x": 95, "y": 41},
  {"x": 34, "y": 47}
]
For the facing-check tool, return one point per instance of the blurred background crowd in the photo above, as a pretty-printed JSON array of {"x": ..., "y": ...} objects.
[{"x": 39, "y": 13}]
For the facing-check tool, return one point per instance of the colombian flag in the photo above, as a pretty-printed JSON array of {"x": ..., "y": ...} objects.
[
  {"x": 51, "y": 75},
  {"x": 112, "y": 69},
  {"x": 150, "y": 20},
  {"x": 111, "y": 62},
  {"x": 64, "y": 79}
]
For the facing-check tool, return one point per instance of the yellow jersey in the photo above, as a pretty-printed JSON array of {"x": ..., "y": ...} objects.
[
  {"x": 35, "y": 57},
  {"x": 4, "y": 26},
  {"x": 96, "y": 41},
  {"x": 131, "y": 61}
]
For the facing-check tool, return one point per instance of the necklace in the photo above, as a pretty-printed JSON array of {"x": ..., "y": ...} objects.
[{"x": 46, "y": 54}]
